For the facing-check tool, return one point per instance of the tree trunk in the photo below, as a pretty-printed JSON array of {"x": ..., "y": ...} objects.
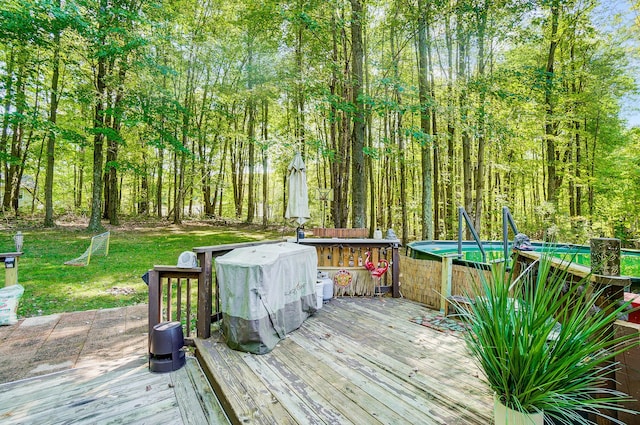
[
  {"x": 370, "y": 192},
  {"x": 20, "y": 173},
  {"x": 335, "y": 135},
  {"x": 51, "y": 137},
  {"x": 434, "y": 132},
  {"x": 425, "y": 125},
  {"x": 578, "y": 170},
  {"x": 205, "y": 180},
  {"x": 299, "y": 93},
  {"x": 12, "y": 190},
  {"x": 4, "y": 139},
  {"x": 251, "y": 166},
  {"x": 79, "y": 181},
  {"x": 23, "y": 161},
  {"x": 205, "y": 158},
  {"x": 111, "y": 183},
  {"x": 265, "y": 162},
  {"x": 450, "y": 204},
  {"x": 401, "y": 146},
  {"x": 251, "y": 133},
  {"x": 192, "y": 172},
  {"x": 98, "y": 144},
  {"x": 113, "y": 143},
  {"x": 358, "y": 177},
  {"x": 551, "y": 124},
  {"x": 467, "y": 177},
  {"x": 180, "y": 190},
  {"x": 37, "y": 176},
  {"x": 143, "y": 197},
  {"x": 480, "y": 172},
  {"x": 219, "y": 183},
  {"x": 15, "y": 125},
  {"x": 237, "y": 169},
  {"x": 571, "y": 183},
  {"x": 159, "y": 182},
  {"x": 99, "y": 127},
  {"x": 592, "y": 165}
]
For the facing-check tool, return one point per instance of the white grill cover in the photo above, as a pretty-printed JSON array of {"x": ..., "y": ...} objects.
[{"x": 266, "y": 291}]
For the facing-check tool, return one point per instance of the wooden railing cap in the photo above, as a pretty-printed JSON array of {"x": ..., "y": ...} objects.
[{"x": 177, "y": 269}]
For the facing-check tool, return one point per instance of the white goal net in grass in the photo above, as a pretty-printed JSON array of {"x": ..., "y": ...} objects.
[{"x": 99, "y": 246}]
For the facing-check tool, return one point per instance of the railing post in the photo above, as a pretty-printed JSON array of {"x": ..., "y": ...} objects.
[
  {"x": 155, "y": 299},
  {"x": 445, "y": 284},
  {"x": 460, "y": 212},
  {"x": 395, "y": 272},
  {"x": 505, "y": 233},
  {"x": 605, "y": 262},
  {"x": 204, "y": 295}
]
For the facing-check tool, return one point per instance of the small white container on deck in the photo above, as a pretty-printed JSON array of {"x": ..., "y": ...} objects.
[{"x": 319, "y": 293}]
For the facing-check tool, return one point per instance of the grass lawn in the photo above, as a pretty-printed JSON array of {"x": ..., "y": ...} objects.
[{"x": 112, "y": 281}]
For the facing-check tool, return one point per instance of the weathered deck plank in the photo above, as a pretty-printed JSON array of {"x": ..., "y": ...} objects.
[
  {"x": 358, "y": 360},
  {"x": 122, "y": 395},
  {"x": 412, "y": 382},
  {"x": 239, "y": 390},
  {"x": 328, "y": 383},
  {"x": 199, "y": 389},
  {"x": 374, "y": 382},
  {"x": 291, "y": 391},
  {"x": 417, "y": 344},
  {"x": 195, "y": 397}
]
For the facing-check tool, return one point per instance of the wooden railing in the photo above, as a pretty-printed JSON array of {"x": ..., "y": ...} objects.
[
  {"x": 576, "y": 272},
  {"x": 161, "y": 281},
  {"x": 171, "y": 295},
  {"x": 208, "y": 305}
]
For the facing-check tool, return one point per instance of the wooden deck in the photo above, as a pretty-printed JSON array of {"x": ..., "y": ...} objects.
[
  {"x": 126, "y": 394},
  {"x": 358, "y": 361}
]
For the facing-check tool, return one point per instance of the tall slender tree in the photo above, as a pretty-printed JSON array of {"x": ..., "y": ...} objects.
[
  {"x": 357, "y": 139},
  {"x": 551, "y": 122},
  {"x": 426, "y": 141}
]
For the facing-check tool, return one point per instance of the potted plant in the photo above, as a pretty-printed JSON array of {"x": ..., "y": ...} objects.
[{"x": 543, "y": 345}]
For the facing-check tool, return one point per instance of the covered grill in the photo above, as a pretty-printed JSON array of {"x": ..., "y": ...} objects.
[{"x": 266, "y": 291}]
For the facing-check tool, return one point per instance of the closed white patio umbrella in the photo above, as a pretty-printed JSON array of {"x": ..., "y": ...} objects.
[{"x": 298, "y": 202}]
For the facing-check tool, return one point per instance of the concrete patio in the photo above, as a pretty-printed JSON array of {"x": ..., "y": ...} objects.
[{"x": 41, "y": 345}]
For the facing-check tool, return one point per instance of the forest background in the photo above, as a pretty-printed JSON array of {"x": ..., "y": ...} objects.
[{"x": 403, "y": 110}]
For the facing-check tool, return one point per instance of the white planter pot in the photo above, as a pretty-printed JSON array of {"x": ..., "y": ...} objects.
[{"x": 505, "y": 416}]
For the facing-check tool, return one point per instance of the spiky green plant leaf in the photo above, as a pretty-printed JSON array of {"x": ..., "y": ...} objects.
[{"x": 543, "y": 343}]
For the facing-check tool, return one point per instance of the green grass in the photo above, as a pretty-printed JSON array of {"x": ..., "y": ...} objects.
[{"x": 51, "y": 287}]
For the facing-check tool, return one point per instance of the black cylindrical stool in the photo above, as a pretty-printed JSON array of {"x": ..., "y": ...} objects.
[{"x": 165, "y": 353}]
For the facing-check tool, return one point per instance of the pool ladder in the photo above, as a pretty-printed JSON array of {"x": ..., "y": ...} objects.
[{"x": 507, "y": 222}]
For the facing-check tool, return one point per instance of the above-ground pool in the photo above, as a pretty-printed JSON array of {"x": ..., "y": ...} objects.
[{"x": 629, "y": 261}]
